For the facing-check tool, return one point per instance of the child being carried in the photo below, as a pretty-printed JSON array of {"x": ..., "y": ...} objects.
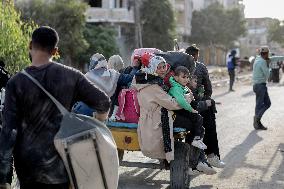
[{"x": 187, "y": 117}]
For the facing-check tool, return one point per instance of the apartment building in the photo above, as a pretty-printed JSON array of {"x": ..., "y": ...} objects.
[
  {"x": 116, "y": 13},
  {"x": 257, "y": 35},
  {"x": 110, "y": 11},
  {"x": 183, "y": 12}
]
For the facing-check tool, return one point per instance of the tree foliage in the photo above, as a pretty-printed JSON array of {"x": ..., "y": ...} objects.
[
  {"x": 276, "y": 32},
  {"x": 67, "y": 17},
  {"x": 216, "y": 26},
  {"x": 101, "y": 40},
  {"x": 158, "y": 26},
  {"x": 14, "y": 38},
  {"x": 77, "y": 41}
]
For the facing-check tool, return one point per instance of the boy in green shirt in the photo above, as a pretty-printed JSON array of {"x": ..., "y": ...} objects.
[{"x": 188, "y": 116}]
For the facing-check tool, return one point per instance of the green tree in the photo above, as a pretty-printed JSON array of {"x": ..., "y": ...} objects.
[
  {"x": 101, "y": 39},
  {"x": 158, "y": 26},
  {"x": 67, "y": 17},
  {"x": 216, "y": 26},
  {"x": 14, "y": 38},
  {"x": 276, "y": 32}
]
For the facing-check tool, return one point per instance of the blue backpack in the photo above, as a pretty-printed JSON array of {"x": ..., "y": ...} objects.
[{"x": 230, "y": 63}]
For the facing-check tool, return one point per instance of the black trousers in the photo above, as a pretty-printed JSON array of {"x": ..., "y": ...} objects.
[
  {"x": 210, "y": 137},
  {"x": 37, "y": 185},
  {"x": 275, "y": 75},
  {"x": 232, "y": 78},
  {"x": 190, "y": 121}
]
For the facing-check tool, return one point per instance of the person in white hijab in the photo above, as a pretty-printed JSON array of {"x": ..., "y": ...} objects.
[
  {"x": 106, "y": 79},
  {"x": 153, "y": 64},
  {"x": 115, "y": 62}
]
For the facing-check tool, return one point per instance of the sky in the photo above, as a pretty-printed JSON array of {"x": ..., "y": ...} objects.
[{"x": 264, "y": 8}]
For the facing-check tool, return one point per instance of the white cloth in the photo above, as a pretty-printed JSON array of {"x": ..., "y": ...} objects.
[
  {"x": 104, "y": 79},
  {"x": 153, "y": 64}
]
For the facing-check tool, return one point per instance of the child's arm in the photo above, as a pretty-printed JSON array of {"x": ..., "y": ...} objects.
[{"x": 180, "y": 98}]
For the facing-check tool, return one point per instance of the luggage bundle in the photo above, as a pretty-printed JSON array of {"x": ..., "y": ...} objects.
[{"x": 176, "y": 59}]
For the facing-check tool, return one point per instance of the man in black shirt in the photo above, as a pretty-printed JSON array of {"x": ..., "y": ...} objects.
[
  {"x": 31, "y": 119},
  {"x": 4, "y": 75},
  {"x": 209, "y": 120}
]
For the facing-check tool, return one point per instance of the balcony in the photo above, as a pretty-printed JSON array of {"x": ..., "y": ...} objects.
[{"x": 115, "y": 15}]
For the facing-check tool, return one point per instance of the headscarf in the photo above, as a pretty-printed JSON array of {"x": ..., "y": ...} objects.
[
  {"x": 115, "y": 62},
  {"x": 104, "y": 78},
  {"x": 97, "y": 61},
  {"x": 153, "y": 64},
  {"x": 153, "y": 79}
]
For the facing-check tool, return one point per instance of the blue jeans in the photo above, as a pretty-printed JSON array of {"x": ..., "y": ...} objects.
[{"x": 262, "y": 99}]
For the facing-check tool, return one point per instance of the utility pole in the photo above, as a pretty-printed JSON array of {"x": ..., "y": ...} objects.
[{"x": 138, "y": 28}]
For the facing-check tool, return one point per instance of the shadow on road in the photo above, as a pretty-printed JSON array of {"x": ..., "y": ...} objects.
[
  {"x": 250, "y": 93},
  {"x": 237, "y": 156},
  {"x": 221, "y": 95},
  {"x": 277, "y": 179},
  {"x": 137, "y": 179},
  {"x": 202, "y": 187}
]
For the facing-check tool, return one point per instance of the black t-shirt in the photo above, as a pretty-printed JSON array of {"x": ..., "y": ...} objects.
[
  {"x": 4, "y": 77},
  {"x": 30, "y": 112}
]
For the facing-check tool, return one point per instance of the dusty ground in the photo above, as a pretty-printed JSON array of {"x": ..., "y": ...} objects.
[{"x": 255, "y": 159}]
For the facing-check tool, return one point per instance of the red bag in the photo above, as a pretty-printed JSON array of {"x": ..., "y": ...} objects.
[
  {"x": 137, "y": 53},
  {"x": 128, "y": 107}
]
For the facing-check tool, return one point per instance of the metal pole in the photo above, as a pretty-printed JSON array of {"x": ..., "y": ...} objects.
[{"x": 138, "y": 28}]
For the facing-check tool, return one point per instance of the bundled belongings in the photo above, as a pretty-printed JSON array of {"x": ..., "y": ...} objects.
[
  {"x": 176, "y": 59},
  {"x": 87, "y": 149},
  {"x": 137, "y": 53}
]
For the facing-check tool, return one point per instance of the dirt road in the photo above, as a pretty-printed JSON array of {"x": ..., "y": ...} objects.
[{"x": 255, "y": 159}]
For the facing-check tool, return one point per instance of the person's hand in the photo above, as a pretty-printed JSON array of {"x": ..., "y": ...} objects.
[
  {"x": 191, "y": 95},
  {"x": 169, "y": 156},
  {"x": 194, "y": 111},
  {"x": 101, "y": 116},
  {"x": 209, "y": 103},
  {"x": 112, "y": 118},
  {"x": 137, "y": 62},
  {"x": 188, "y": 98}
]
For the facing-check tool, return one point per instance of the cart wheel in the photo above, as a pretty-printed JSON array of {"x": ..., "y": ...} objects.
[
  {"x": 180, "y": 178},
  {"x": 120, "y": 154}
]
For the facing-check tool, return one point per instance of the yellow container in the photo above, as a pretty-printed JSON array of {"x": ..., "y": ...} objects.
[{"x": 126, "y": 139}]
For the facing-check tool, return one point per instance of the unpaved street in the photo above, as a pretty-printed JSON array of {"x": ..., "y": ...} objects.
[{"x": 254, "y": 158}]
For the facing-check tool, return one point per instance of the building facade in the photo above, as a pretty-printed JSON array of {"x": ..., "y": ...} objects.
[
  {"x": 257, "y": 35},
  {"x": 183, "y": 12},
  {"x": 120, "y": 14},
  {"x": 110, "y": 11}
]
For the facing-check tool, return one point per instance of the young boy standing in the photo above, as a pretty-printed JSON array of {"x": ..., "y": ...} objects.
[{"x": 188, "y": 117}]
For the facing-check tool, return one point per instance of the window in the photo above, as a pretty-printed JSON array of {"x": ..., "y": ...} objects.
[
  {"x": 95, "y": 3},
  {"x": 119, "y": 3}
]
